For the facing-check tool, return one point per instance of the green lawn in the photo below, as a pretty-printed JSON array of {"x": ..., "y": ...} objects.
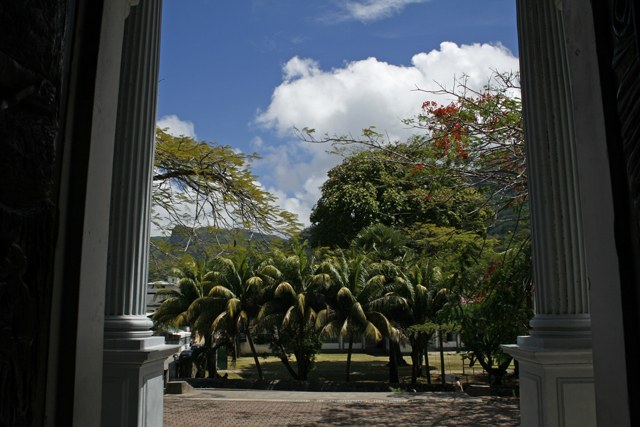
[{"x": 364, "y": 367}]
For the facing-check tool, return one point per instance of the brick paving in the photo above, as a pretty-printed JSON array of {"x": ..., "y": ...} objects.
[{"x": 222, "y": 408}]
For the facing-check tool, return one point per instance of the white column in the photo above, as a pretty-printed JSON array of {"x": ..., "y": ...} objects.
[
  {"x": 125, "y": 304},
  {"x": 133, "y": 359},
  {"x": 556, "y": 370}
]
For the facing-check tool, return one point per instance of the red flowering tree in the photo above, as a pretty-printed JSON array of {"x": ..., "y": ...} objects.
[
  {"x": 477, "y": 136},
  {"x": 474, "y": 140}
]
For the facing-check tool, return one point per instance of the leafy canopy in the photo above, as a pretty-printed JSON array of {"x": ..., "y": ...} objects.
[{"x": 204, "y": 185}]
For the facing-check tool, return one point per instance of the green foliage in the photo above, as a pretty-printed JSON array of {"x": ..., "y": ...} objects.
[
  {"x": 208, "y": 189},
  {"x": 193, "y": 283},
  {"x": 473, "y": 145},
  {"x": 497, "y": 310},
  {"x": 167, "y": 251},
  {"x": 294, "y": 289},
  {"x": 377, "y": 187},
  {"x": 356, "y": 290}
]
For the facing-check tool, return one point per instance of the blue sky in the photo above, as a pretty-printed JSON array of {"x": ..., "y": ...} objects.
[{"x": 243, "y": 73}]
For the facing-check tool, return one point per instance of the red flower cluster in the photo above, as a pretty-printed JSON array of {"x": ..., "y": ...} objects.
[{"x": 417, "y": 168}]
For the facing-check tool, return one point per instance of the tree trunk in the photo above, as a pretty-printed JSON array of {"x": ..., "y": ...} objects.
[
  {"x": 500, "y": 371},
  {"x": 393, "y": 365},
  {"x": 212, "y": 363},
  {"x": 296, "y": 354},
  {"x": 442, "y": 369},
  {"x": 211, "y": 353},
  {"x": 415, "y": 364},
  {"x": 255, "y": 355},
  {"x": 301, "y": 360},
  {"x": 426, "y": 363},
  {"x": 287, "y": 365},
  {"x": 399, "y": 359},
  {"x": 285, "y": 362},
  {"x": 349, "y": 356},
  {"x": 488, "y": 366}
]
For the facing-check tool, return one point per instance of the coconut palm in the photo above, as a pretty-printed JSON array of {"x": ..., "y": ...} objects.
[
  {"x": 235, "y": 283},
  {"x": 193, "y": 283},
  {"x": 349, "y": 313},
  {"x": 179, "y": 310},
  {"x": 393, "y": 305},
  {"x": 384, "y": 243},
  {"x": 203, "y": 313},
  {"x": 425, "y": 296},
  {"x": 294, "y": 287}
]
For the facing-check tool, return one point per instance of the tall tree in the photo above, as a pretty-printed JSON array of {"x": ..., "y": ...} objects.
[
  {"x": 497, "y": 310},
  {"x": 193, "y": 282},
  {"x": 426, "y": 296},
  {"x": 378, "y": 187},
  {"x": 349, "y": 312},
  {"x": 236, "y": 283},
  {"x": 387, "y": 245},
  {"x": 206, "y": 187},
  {"x": 295, "y": 288}
]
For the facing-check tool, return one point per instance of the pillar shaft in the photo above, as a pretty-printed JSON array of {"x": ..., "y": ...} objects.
[
  {"x": 559, "y": 267},
  {"x": 556, "y": 362},
  {"x": 125, "y": 305},
  {"x": 133, "y": 360}
]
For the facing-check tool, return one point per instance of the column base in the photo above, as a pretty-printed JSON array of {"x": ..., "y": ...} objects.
[
  {"x": 132, "y": 383},
  {"x": 556, "y": 382}
]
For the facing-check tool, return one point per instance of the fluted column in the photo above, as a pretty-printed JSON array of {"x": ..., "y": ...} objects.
[
  {"x": 559, "y": 267},
  {"x": 133, "y": 360},
  {"x": 556, "y": 361},
  {"x": 125, "y": 305}
]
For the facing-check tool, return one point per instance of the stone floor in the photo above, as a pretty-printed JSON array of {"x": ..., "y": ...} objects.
[{"x": 248, "y": 408}]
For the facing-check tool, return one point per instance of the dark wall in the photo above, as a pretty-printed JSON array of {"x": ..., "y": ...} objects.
[
  {"x": 34, "y": 59},
  {"x": 618, "y": 45}
]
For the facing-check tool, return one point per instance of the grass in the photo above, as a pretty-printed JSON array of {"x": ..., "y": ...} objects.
[{"x": 364, "y": 367}]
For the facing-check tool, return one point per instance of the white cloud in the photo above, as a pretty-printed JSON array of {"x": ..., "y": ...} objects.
[
  {"x": 256, "y": 142},
  {"x": 294, "y": 173},
  {"x": 370, "y": 92},
  {"x": 299, "y": 68},
  {"x": 348, "y": 99},
  {"x": 374, "y": 10},
  {"x": 176, "y": 126}
]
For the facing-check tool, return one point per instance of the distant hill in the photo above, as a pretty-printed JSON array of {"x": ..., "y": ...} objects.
[{"x": 205, "y": 242}]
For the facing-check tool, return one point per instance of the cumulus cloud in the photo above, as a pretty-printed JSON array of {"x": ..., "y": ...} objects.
[
  {"x": 348, "y": 99},
  {"x": 300, "y": 68},
  {"x": 374, "y": 10},
  {"x": 176, "y": 126},
  {"x": 370, "y": 92}
]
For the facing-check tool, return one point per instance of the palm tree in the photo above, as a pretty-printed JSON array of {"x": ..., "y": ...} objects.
[
  {"x": 383, "y": 242},
  {"x": 183, "y": 306},
  {"x": 349, "y": 313},
  {"x": 425, "y": 298},
  {"x": 203, "y": 312},
  {"x": 294, "y": 287},
  {"x": 393, "y": 305},
  {"x": 193, "y": 283},
  {"x": 236, "y": 283}
]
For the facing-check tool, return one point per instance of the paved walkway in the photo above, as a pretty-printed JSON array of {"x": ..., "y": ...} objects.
[{"x": 248, "y": 408}]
